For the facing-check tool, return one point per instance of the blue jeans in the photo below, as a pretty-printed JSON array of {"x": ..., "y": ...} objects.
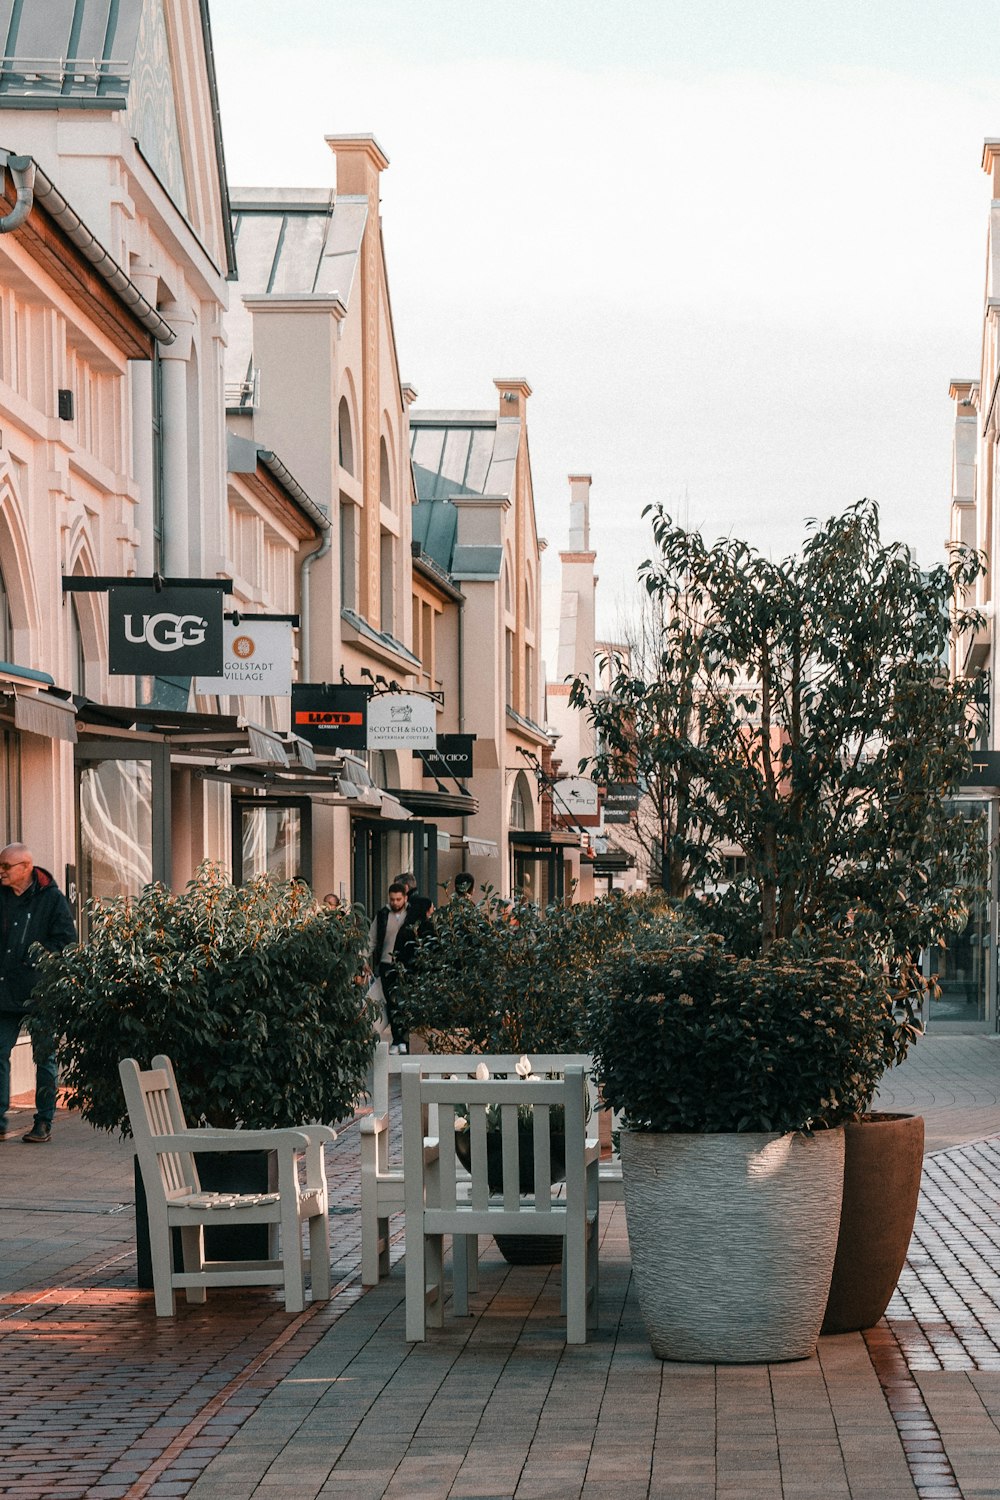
[{"x": 44, "y": 1054}]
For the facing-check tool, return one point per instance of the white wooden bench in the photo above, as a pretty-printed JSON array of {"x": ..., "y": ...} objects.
[
  {"x": 166, "y": 1150},
  {"x": 444, "y": 1197},
  {"x": 382, "y": 1191}
]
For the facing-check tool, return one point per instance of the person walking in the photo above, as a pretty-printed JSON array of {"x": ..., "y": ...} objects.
[
  {"x": 382, "y": 937},
  {"x": 32, "y": 910}
]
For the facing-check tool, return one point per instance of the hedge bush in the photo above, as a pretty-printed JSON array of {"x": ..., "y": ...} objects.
[
  {"x": 252, "y": 991},
  {"x": 693, "y": 1038}
]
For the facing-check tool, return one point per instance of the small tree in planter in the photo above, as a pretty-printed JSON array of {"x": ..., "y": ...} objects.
[
  {"x": 822, "y": 735},
  {"x": 252, "y": 991},
  {"x": 514, "y": 978},
  {"x": 825, "y": 743},
  {"x": 734, "y": 1076}
]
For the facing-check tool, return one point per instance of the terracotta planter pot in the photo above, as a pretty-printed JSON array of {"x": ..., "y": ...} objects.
[
  {"x": 883, "y": 1160},
  {"x": 732, "y": 1239}
]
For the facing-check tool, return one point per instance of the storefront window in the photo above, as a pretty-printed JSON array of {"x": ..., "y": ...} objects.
[
  {"x": 116, "y": 828},
  {"x": 273, "y": 840},
  {"x": 964, "y": 969}
]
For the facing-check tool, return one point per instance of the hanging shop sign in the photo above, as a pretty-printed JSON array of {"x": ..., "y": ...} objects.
[
  {"x": 621, "y": 800},
  {"x": 985, "y": 772},
  {"x": 173, "y": 632},
  {"x": 329, "y": 715},
  {"x": 402, "y": 721},
  {"x": 574, "y": 798},
  {"x": 453, "y": 756},
  {"x": 257, "y": 660}
]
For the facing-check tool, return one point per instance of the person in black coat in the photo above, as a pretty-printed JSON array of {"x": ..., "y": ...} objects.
[
  {"x": 417, "y": 926},
  {"x": 32, "y": 910}
]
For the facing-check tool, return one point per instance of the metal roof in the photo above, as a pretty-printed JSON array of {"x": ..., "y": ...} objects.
[
  {"x": 68, "y": 52},
  {"x": 299, "y": 242},
  {"x": 459, "y": 453},
  {"x": 86, "y": 54}
]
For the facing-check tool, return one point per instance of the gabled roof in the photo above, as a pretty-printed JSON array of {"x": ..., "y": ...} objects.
[
  {"x": 292, "y": 242},
  {"x": 109, "y": 55},
  {"x": 459, "y": 453}
]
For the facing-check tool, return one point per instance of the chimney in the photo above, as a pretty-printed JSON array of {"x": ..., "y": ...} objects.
[
  {"x": 579, "y": 513},
  {"x": 360, "y": 160},
  {"x": 514, "y": 395}
]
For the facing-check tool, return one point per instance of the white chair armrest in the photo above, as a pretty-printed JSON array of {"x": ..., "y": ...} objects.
[
  {"x": 374, "y": 1124},
  {"x": 230, "y": 1140}
]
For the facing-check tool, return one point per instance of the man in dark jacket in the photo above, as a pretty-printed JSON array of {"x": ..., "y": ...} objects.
[{"x": 32, "y": 910}]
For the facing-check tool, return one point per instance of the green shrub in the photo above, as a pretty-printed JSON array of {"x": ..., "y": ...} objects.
[
  {"x": 692, "y": 1038},
  {"x": 515, "y": 978},
  {"x": 252, "y": 991}
]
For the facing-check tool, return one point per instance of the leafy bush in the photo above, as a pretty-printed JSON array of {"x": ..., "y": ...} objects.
[
  {"x": 515, "y": 978},
  {"x": 692, "y": 1038},
  {"x": 252, "y": 991}
]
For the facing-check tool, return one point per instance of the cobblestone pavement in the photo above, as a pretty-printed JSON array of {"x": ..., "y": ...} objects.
[{"x": 237, "y": 1399}]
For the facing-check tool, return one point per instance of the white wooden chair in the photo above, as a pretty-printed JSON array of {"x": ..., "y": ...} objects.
[
  {"x": 166, "y": 1150},
  {"x": 442, "y": 1198},
  {"x": 382, "y": 1155}
]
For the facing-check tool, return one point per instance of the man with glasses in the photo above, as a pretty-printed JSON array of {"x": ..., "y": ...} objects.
[{"x": 32, "y": 910}]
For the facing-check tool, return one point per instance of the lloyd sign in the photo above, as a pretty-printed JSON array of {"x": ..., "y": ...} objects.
[
  {"x": 402, "y": 720},
  {"x": 176, "y": 632},
  {"x": 330, "y": 715},
  {"x": 258, "y": 660}
]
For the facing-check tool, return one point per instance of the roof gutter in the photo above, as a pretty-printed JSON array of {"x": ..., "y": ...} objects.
[{"x": 33, "y": 186}]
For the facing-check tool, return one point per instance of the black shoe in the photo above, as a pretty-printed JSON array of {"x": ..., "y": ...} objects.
[{"x": 39, "y": 1134}]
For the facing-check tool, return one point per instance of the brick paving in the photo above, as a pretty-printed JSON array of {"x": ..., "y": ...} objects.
[{"x": 237, "y": 1399}]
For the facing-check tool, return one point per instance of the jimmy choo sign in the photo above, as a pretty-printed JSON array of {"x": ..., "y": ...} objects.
[{"x": 171, "y": 632}]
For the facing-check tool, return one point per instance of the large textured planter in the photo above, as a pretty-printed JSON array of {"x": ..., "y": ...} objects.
[
  {"x": 883, "y": 1160},
  {"x": 732, "y": 1239}
]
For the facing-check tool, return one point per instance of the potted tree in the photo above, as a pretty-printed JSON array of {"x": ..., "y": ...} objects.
[
  {"x": 252, "y": 991},
  {"x": 734, "y": 1077},
  {"x": 512, "y": 979},
  {"x": 823, "y": 739}
]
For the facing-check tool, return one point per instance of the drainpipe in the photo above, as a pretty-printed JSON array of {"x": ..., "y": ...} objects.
[
  {"x": 305, "y": 668},
  {"x": 22, "y": 171}
]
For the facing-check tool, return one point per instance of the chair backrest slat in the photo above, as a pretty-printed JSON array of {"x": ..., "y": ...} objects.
[
  {"x": 154, "y": 1109},
  {"x": 509, "y": 1099}
]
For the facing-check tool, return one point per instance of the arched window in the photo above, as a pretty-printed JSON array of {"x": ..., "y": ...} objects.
[
  {"x": 78, "y": 657},
  {"x": 345, "y": 437},
  {"x": 384, "y": 476},
  {"x": 387, "y": 582},
  {"x": 6, "y": 624},
  {"x": 518, "y": 806}
]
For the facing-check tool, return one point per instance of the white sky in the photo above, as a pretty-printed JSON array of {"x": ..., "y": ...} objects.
[{"x": 738, "y": 251}]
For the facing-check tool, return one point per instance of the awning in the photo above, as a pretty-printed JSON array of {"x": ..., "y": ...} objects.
[
  {"x": 392, "y": 809},
  {"x": 267, "y": 746},
  {"x": 435, "y": 805},
  {"x": 528, "y": 838},
  {"x": 482, "y": 848},
  {"x": 46, "y": 714}
]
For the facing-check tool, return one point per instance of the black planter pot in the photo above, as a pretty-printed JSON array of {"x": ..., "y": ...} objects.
[
  {"x": 220, "y": 1172},
  {"x": 520, "y": 1249}
]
